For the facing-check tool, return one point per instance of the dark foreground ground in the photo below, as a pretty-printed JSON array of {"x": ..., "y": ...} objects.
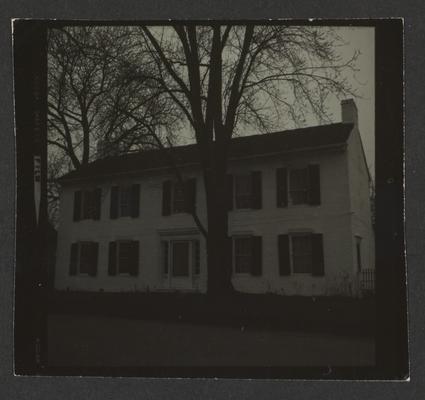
[
  {"x": 99, "y": 329},
  {"x": 89, "y": 341}
]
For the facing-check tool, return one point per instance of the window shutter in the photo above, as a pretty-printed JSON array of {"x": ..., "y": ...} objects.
[
  {"x": 135, "y": 200},
  {"x": 94, "y": 247},
  {"x": 284, "y": 258},
  {"x": 314, "y": 189},
  {"x": 230, "y": 253},
  {"x": 165, "y": 252},
  {"x": 112, "y": 263},
  {"x": 190, "y": 195},
  {"x": 97, "y": 203},
  {"x": 257, "y": 256},
  {"x": 256, "y": 190},
  {"x": 134, "y": 271},
  {"x": 114, "y": 202},
  {"x": 166, "y": 198},
  {"x": 73, "y": 259},
  {"x": 77, "y": 205},
  {"x": 229, "y": 184},
  {"x": 318, "y": 259},
  {"x": 281, "y": 187}
]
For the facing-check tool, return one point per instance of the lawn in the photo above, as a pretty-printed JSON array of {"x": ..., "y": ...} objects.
[{"x": 88, "y": 340}]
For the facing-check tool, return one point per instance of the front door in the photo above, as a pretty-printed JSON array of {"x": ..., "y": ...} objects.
[{"x": 181, "y": 265}]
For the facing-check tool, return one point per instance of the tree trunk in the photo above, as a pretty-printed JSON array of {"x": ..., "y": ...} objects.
[{"x": 219, "y": 262}]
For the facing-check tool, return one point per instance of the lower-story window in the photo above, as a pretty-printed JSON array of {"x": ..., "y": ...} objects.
[
  {"x": 83, "y": 259},
  {"x": 301, "y": 253},
  {"x": 302, "y": 257},
  {"x": 123, "y": 258},
  {"x": 180, "y": 258},
  {"x": 247, "y": 255}
]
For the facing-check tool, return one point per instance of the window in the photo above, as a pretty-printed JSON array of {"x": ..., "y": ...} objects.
[
  {"x": 180, "y": 258},
  {"x": 247, "y": 258},
  {"x": 178, "y": 198},
  {"x": 125, "y": 201},
  {"x": 243, "y": 255},
  {"x": 302, "y": 257},
  {"x": 301, "y": 253},
  {"x": 87, "y": 204},
  {"x": 83, "y": 260},
  {"x": 243, "y": 191},
  {"x": 298, "y": 186},
  {"x": 123, "y": 257},
  {"x": 359, "y": 253}
]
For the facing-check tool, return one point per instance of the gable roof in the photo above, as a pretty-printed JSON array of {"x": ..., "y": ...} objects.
[{"x": 240, "y": 147}]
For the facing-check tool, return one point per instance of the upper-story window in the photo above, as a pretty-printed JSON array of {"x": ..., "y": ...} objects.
[
  {"x": 298, "y": 186},
  {"x": 125, "y": 201},
  {"x": 87, "y": 204},
  {"x": 178, "y": 201},
  {"x": 245, "y": 190},
  {"x": 125, "y": 197},
  {"x": 177, "y": 197}
]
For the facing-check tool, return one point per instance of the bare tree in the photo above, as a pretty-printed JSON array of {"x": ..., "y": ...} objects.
[
  {"x": 90, "y": 95},
  {"x": 223, "y": 78}
]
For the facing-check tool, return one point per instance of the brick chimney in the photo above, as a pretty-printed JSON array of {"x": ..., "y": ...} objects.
[{"x": 349, "y": 112}]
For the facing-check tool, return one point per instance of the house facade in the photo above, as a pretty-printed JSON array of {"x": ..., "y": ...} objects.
[{"x": 299, "y": 217}]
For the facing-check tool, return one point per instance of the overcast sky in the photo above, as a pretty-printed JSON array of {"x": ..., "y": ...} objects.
[{"x": 362, "y": 39}]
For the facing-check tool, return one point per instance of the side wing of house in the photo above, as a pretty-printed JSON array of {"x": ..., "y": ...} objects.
[{"x": 363, "y": 238}]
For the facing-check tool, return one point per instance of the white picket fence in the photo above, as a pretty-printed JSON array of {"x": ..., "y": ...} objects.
[{"x": 367, "y": 280}]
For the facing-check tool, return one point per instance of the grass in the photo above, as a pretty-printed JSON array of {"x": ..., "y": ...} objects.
[{"x": 339, "y": 315}]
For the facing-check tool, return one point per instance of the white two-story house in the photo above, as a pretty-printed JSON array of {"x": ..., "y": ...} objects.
[{"x": 299, "y": 217}]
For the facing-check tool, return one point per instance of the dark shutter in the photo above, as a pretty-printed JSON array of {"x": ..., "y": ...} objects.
[
  {"x": 73, "y": 259},
  {"x": 230, "y": 252},
  {"x": 314, "y": 189},
  {"x": 190, "y": 195},
  {"x": 114, "y": 202},
  {"x": 318, "y": 259},
  {"x": 281, "y": 187},
  {"x": 284, "y": 260},
  {"x": 229, "y": 187},
  {"x": 165, "y": 250},
  {"x": 97, "y": 203},
  {"x": 256, "y": 201},
  {"x": 135, "y": 200},
  {"x": 134, "y": 270},
  {"x": 94, "y": 252},
  {"x": 257, "y": 256},
  {"x": 112, "y": 260},
  {"x": 77, "y": 205},
  {"x": 166, "y": 198}
]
